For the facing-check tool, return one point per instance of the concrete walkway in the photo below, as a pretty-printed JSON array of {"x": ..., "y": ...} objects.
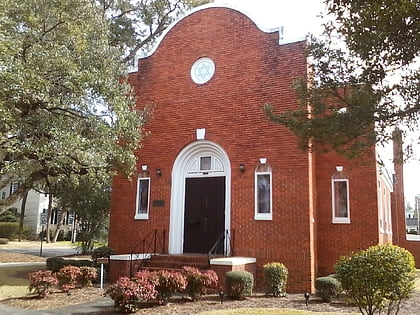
[{"x": 95, "y": 306}]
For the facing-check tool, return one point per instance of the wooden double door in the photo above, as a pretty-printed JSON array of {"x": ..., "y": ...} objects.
[{"x": 204, "y": 216}]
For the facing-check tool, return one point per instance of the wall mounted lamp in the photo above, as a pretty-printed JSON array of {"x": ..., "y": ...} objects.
[
  {"x": 242, "y": 167},
  {"x": 159, "y": 172}
]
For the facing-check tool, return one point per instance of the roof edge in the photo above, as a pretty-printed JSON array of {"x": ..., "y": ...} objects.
[{"x": 156, "y": 45}]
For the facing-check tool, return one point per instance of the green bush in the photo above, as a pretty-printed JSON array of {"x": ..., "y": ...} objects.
[
  {"x": 4, "y": 240},
  {"x": 275, "y": 278},
  {"x": 9, "y": 230},
  {"x": 56, "y": 263},
  {"x": 239, "y": 284},
  {"x": 379, "y": 278},
  {"x": 103, "y": 251},
  {"x": 10, "y": 215},
  {"x": 327, "y": 287}
]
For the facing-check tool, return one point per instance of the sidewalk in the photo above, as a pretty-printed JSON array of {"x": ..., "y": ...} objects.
[{"x": 95, "y": 306}]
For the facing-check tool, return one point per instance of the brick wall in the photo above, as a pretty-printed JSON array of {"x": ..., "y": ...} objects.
[{"x": 251, "y": 70}]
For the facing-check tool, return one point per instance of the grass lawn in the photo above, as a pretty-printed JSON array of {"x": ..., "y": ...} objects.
[
  {"x": 14, "y": 281},
  {"x": 268, "y": 311}
]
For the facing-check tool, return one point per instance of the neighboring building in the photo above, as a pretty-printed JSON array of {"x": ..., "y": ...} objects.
[
  {"x": 36, "y": 210},
  {"x": 213, "y": 165}
]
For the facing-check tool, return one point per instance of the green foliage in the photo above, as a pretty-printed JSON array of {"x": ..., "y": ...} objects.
[
  {"x": 10, "y": 215},
  {"x": 378, "y": 278},
  {"x": 4, "y": 241},
  {"x": 102, "y": 251},
  {"x": 10, "y": 230},
  {"x": 239, "y": 284},
  {"x": 92, "y": 211},
  {"x": 65, "y": 107},
  {"x": 365, "y": 78},
  {"x": 327, "y": 287},
  {"x": 275, "y": 278},
  {"x": 56, "y": 263}
]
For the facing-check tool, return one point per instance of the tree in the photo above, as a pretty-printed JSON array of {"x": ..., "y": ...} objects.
[
  {"x": 365, "y": 80},
  {"x": 65, "y": 106},
  {"x": 378, "y": 278},
  {"x": 88, "y": 197}
]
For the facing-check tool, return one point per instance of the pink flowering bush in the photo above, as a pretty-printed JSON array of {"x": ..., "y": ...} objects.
[
  {"x": 198, "y": 281},
  {"x": 41, "y": 282},
  {"x": 168, "y": 283},
  {"x": 68, "y": 277},
  {"x": 128, "y": 293},
  {"x": 88, "y": 274}
]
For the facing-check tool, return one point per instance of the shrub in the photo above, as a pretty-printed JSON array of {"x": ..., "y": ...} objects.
[
  {"x": 56, "y": 263},
  {"x": 10, "y": 215},
  {"x": 103, "y": 251},
  {"x": 41, "y": 282},
  {"x": 68, "y": 277},
  {"x": 167, "y": 283},
  {"x": 4, "y": 241},
  {"x": 197, "y": 281},
  {"x": 88, "y": 275},
  {"x": 378, "y": 278},
  {"x": 275, "y": 278},
  {"x": 128, "y": 294},
  {"x": 239, "y": 284},
  {"x": 327, "y": 287},
  {"x": 9, "y": 230}
]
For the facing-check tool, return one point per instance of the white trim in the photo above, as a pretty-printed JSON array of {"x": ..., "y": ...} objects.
[
  {"x": 179, "y": 174},
  {"x": 232, "y": 261},
  {"x": 342, "y": 220},
  {"x": 263, "y": 216},
  {"x": 142, "y": 216},
  {"x": 279, "y": 29}
]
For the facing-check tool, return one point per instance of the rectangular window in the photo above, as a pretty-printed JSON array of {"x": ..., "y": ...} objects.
[
  {"x": 13, "y": 187},
  {"x": 263, "y": 198},
  {"x": 340, "y": 201},
  {"x": 205, "y": 163},
  {"x": 143, "y": 198}
]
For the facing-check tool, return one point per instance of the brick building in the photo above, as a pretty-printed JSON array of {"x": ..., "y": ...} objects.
[{"x": 214, "y": 167}]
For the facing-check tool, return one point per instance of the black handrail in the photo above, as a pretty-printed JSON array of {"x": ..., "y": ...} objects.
[
  {"x": 223, "y": 244},
  {"x": 152, "y": 244}
]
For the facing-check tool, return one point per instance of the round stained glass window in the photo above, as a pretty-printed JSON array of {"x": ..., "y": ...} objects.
[{"x": 202, "y": 70}]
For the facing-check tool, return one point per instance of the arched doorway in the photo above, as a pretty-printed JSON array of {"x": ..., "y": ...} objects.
[{"x": 200, "y": 197}]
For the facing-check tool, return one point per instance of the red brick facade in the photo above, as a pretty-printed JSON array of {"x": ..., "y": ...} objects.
[{"x": 251, "y": 69}]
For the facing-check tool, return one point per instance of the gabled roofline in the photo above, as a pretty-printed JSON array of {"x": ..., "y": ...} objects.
[{"x": 156, "y": 45}]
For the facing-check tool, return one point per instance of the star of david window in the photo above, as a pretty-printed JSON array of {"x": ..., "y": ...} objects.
[{"x": 202, "y": 70}]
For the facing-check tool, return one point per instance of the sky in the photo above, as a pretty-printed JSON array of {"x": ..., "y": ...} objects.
[{"x": 300, "y": 17}]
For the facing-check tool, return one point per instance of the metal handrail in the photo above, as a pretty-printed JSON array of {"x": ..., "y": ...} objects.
[
  {"x": 152, "y": 244},
  {"x": 224, "y": 242}
]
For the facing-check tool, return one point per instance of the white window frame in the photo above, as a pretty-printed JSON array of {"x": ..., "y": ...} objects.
[
  {"x": 268, "y": 215},
  {"x": 142, "y": 215},
  {"x": 344, "y": 220}
]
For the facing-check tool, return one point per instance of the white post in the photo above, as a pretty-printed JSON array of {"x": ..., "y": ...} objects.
[{"x": 102, "y": 276}]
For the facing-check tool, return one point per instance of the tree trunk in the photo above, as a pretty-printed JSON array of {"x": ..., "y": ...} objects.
[
  {"x": 49, "y": 214},
  {"x": 22, "y": 215},
  {"x": 58, "y": 227}
]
